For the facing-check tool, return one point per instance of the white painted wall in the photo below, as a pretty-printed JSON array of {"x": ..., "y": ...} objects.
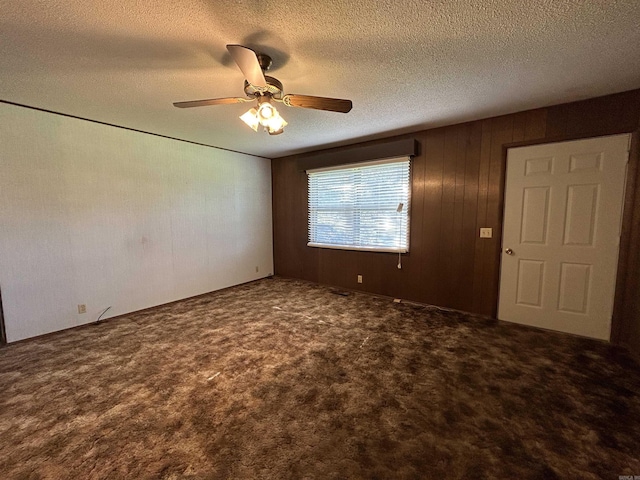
[{"x": 97, "y": 215}]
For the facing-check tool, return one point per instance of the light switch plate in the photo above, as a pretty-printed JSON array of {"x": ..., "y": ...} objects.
[{"x": 486, "y": 232}]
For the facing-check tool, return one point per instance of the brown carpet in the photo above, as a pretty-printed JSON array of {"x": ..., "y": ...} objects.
[{"x": 282, "y": 379}]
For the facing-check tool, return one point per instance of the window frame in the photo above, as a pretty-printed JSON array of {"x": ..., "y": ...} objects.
[{"x": 355, "y": 165}]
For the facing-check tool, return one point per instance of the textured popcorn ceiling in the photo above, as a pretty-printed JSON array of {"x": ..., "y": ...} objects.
[{"x": 405, "y": 64}]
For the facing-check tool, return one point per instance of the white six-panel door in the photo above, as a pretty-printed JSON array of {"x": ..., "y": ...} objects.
[{"x": 561, "y": 232}]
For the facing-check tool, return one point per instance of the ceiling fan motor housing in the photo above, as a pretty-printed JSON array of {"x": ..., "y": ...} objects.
[{"x": 274, "y": 87}]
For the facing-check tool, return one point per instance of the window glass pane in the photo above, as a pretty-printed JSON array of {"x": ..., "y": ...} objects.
[{"x": 357, "y": 207}]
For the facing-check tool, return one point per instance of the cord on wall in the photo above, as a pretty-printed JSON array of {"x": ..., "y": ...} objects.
[
  {"x": 3, "y": 332},
  {"x": 399, "y": 210},
  {"x": 103, "y": 312}
]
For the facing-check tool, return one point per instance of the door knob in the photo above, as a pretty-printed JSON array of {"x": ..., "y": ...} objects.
[{"x": 508, "y": 251}]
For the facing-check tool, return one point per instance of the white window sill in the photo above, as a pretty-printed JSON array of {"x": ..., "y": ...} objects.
[{"x": 361, "y": 249}]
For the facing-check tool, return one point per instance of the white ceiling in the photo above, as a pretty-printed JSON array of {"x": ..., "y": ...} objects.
[{"x": 406, "y": 64}]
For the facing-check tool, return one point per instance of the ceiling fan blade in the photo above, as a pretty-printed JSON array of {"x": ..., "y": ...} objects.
[
  {"x": 211, "y": 101},
  {"x": 247, "y": 60},
  {"x": 319, "y": 103}
]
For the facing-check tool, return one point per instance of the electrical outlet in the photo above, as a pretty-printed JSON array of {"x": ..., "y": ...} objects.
[
  {"x": 486, "y": 232},
  {"x": 359, "y": 278},
  {"x": 82, "y": 308}
]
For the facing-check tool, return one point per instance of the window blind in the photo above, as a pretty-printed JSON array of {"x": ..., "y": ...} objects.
[{"x": 361, "y": 207}]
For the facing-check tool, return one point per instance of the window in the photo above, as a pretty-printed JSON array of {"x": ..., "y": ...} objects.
[{"x": 361, "y": 207}]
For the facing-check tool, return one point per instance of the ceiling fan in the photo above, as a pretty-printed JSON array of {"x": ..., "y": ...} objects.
[{"x": 266, "y": 90}]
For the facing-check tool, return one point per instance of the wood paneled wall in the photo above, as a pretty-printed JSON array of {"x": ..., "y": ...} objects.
[{"x": 457, "y": 187}]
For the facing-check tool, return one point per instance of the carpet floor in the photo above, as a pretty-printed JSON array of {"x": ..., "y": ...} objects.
[{"x": 283, "y": 379}]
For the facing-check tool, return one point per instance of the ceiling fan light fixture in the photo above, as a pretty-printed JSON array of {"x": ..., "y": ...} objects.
[
  {"x": 276, "y": 125},
  {"x": 266, "y": 112},
  {"x": 251, "y": 119},
  {"x": 265, "y": 90},
  {"x": 275, "y": 132}
]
